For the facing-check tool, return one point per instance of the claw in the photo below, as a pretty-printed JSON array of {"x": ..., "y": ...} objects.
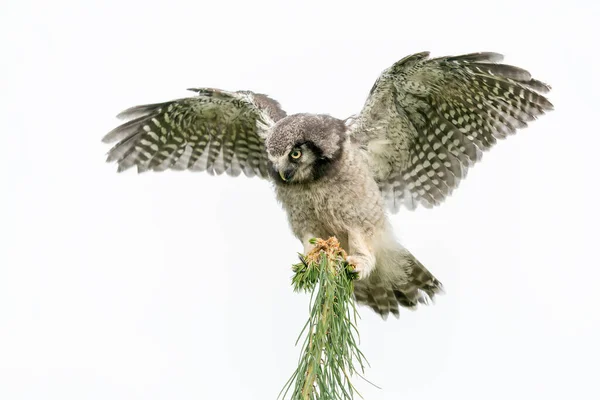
[{"x": 358, "y": 266}]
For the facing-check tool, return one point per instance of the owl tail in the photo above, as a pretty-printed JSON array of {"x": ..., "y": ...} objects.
[{"x": 398, "y": 279}]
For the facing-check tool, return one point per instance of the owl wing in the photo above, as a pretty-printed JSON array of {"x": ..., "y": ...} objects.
[
  {"x": 216, "y": 131},
  {"x": 426, "y": 121}
]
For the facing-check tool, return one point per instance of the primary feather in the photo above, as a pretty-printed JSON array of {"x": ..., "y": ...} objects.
[
  {"x": 217, "y": 132},
  {"x": 437, "y": 116}
]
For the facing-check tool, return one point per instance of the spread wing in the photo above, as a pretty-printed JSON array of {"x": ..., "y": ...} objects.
[
  {"x": 426, "y": 121},
  {"x": 217, "y": 132}
]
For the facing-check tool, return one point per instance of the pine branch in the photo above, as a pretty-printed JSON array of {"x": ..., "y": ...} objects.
[{"x": 330, "y": 353}]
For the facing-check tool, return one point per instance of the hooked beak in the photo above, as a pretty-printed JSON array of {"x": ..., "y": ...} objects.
[
  {"x": 286, "y": 174},
  {"x": 282, "y": 175}
]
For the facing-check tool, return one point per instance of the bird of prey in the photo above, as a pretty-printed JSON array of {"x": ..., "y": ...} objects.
[{"x": 425, "y": 122}]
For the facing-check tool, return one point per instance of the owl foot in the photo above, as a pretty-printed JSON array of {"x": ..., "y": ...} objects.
[
  {"x": 308, "y": 246},
  {"x": 363, "y": 265}
]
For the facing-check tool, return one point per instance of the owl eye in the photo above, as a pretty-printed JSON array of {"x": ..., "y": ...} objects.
[{"x": 296, "y": 154}]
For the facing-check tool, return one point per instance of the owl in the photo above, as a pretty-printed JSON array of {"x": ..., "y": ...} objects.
[{"x": 425, "y": 122}]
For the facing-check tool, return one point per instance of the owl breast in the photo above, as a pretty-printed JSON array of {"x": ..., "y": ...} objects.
[{"x": 347, "y": 200}]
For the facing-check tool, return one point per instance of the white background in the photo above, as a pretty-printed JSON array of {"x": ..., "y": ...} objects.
[{"x": 176, "y": 285}]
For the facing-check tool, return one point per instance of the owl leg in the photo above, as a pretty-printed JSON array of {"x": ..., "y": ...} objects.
[
  {"x": 361, "y": 255},
  {"x": 308, "y": 246}
]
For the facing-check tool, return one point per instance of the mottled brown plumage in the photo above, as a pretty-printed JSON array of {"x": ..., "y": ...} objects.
[
  {"x": 429, "y": 120},
  {"x": 425, "y": 122}
]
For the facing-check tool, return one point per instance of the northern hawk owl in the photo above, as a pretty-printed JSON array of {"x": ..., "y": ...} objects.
[{"x": 424, "y": 123}]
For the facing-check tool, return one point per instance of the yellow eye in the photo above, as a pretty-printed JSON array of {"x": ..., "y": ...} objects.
[{"x": 296, "y": 154}]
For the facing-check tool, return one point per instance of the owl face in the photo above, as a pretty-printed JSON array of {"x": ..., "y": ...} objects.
[{"x": 304, "y": 148}]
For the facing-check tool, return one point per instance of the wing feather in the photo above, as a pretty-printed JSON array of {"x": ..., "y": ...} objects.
[
  {"x": 437, "y": 116},
  {"x": 217, "y": 131}
]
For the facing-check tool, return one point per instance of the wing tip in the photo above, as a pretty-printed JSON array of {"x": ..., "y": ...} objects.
[
  {"x": 107, "y": 138},
  {"x": 128, "y": 113},
  {"x": 478, "y": 57},
  {"x": 113, "y": 135}
]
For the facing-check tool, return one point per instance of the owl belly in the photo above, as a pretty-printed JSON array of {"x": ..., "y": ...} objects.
[{"x": 333, "y": 209}]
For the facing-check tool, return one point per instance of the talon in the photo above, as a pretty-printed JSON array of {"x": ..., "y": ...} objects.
[
  {"x": 303, "y": 260},
  {"x": 358, "y": 266}
]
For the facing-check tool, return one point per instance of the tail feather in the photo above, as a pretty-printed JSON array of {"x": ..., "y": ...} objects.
[{"x": 398, "y": 279}]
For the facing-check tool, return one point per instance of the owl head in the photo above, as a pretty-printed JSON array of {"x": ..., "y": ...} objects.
[{"x": 304, "y": 148}]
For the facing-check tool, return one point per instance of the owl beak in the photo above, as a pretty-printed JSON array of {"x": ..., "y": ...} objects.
[
  {"x": 282, "y": 175},
  {"x": 286, "y": 173}
]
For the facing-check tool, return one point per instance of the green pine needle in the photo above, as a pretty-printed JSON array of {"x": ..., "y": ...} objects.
[{"x": 330, "y": 354}]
